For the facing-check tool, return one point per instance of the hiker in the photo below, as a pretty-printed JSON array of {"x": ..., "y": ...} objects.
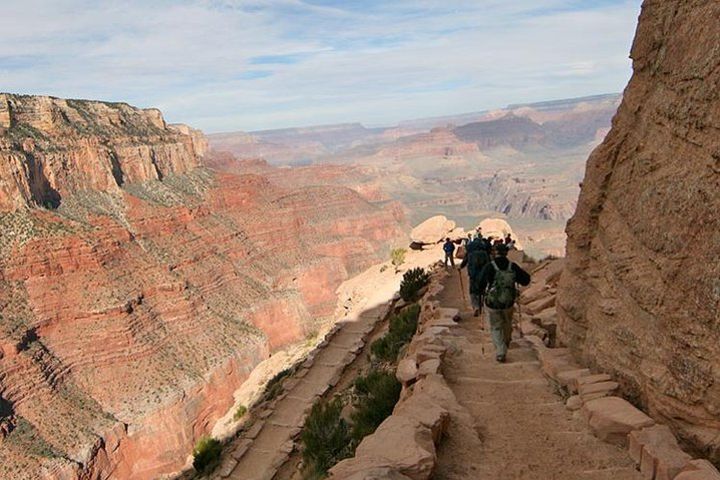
[
  {"x": 449, "y": 248},
  {"x": 488, "y": 243},
  {"x": 509, "y": 242},
  {"x": 468, "y": 239},
  {"x": 499, "y": 278},
  {"x": 475, "y": 259}
]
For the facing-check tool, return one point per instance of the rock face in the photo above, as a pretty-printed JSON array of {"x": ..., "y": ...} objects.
[
  {"x": 53, "y": 147},
  {"x": 640, "y": 295},
  {"x": 137, "y": 302}
]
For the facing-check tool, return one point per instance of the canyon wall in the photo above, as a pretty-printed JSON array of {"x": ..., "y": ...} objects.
[
  {"x": 640, "y": 295},
  {"x": 138, "y": 289}
]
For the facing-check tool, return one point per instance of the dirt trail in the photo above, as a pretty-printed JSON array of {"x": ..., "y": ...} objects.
[{"x": 522, "y": 429}]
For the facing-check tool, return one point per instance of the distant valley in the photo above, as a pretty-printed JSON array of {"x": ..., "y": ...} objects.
[{"x": 523, "y": 162}]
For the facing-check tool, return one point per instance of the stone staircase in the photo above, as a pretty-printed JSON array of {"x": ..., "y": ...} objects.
[{"x": 541, "y": 415}]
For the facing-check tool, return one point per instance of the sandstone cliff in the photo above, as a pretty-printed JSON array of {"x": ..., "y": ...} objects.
[
  {"x": 640, "y": 295},
  {"x": 142, "y": 295},
  {"x": 53, "y": 147}
]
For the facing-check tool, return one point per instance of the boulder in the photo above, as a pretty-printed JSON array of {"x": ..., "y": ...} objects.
[
  {"x": 613, "y": 418},
  {"x": 406, "y": 370},
  {"x": 498, "y": 228},
  {"x": 432, "y": 230}
]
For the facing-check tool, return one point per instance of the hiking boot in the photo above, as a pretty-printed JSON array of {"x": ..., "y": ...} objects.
[{"x": 500, "y": 358}]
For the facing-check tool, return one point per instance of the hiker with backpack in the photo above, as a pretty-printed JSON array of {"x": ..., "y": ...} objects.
[
  {"x": 449, "y": 249},
  {"x": 475, "y": 259},
  {"x": 500, "y": 278}
]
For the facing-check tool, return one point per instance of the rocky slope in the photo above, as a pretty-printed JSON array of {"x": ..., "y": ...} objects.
[
  {"x": 640, "y": 295},
  {"x": 138, "y": 289}
]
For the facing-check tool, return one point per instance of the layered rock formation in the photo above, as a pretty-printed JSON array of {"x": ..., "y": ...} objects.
[
  {"x": 139, "y": 299},
  {"x": 640, "y": 295}
]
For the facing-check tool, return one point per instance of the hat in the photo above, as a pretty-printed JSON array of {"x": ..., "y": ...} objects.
[{"x": 501, "y": 248}]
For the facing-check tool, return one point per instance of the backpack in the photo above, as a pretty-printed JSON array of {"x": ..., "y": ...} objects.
[
  {"x": 449, "y": 247},
  {"x": 502, "y": 292},
  {"x": 477, "y": 259}
]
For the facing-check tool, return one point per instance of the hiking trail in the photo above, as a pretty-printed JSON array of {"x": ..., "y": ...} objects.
[{"x": 522, "y": 429}]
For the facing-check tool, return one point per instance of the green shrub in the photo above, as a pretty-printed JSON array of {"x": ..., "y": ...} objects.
[
  {"x": 397, "y": 256},
  {"x": 274, "y": 387},
  {"x": 240, "y": 412},
  {"x": 206, "y": 454},
  {"x": 325, "y": 438},
  {"x": 413, "y": 280},
  {"x": 402, "y": 328},
  {"x": 376, "y": 396}
]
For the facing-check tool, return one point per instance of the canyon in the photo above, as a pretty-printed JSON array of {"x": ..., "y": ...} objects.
[
  {"x": 139, "y": 288},
  {"x": 522, "y": 162},
  {"x": 147, "y": 270}
]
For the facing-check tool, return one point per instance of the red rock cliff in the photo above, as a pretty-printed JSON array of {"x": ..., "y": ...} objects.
[
  {"x": 140, "y": 298},
  {"x": 51, "y": 147},
  {"x": 641, "y": 292}
]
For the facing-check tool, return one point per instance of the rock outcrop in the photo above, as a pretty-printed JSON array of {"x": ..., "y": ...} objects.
[
  {"x": 137, "y": 302},
  {"x": 433, "y": 230},
  {"x": 640, "y": 294}
]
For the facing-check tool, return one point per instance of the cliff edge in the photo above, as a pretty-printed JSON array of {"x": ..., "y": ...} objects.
[
  {"x": 139, "y": 289},
  {"x": 640, "y": 294}
]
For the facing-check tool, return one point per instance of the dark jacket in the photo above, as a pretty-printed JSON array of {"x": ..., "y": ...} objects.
[
  {"x": 449, "y": 247},
  {"x": 487, "y": 275},
  {"x": 476, "y": 257}
]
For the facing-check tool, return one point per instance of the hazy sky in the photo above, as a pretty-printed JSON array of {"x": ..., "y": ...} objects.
[{"x": 224, "y": 65}]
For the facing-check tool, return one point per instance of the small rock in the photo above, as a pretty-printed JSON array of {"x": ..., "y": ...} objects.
[{"x": 574, "y": 403}]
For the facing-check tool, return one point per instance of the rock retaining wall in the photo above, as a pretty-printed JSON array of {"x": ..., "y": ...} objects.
[
  {"x": 594, "y": 394},
  {"x": 404, "y": 445}
]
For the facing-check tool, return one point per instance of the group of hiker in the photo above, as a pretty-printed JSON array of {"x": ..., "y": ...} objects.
[{"x": 493, "y": 281}]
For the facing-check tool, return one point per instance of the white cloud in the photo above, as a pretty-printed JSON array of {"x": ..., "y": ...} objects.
[{"x": 236, "y": 64}]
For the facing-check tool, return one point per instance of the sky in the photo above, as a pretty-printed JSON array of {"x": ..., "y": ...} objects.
[{"x": 227, "y": 65}]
